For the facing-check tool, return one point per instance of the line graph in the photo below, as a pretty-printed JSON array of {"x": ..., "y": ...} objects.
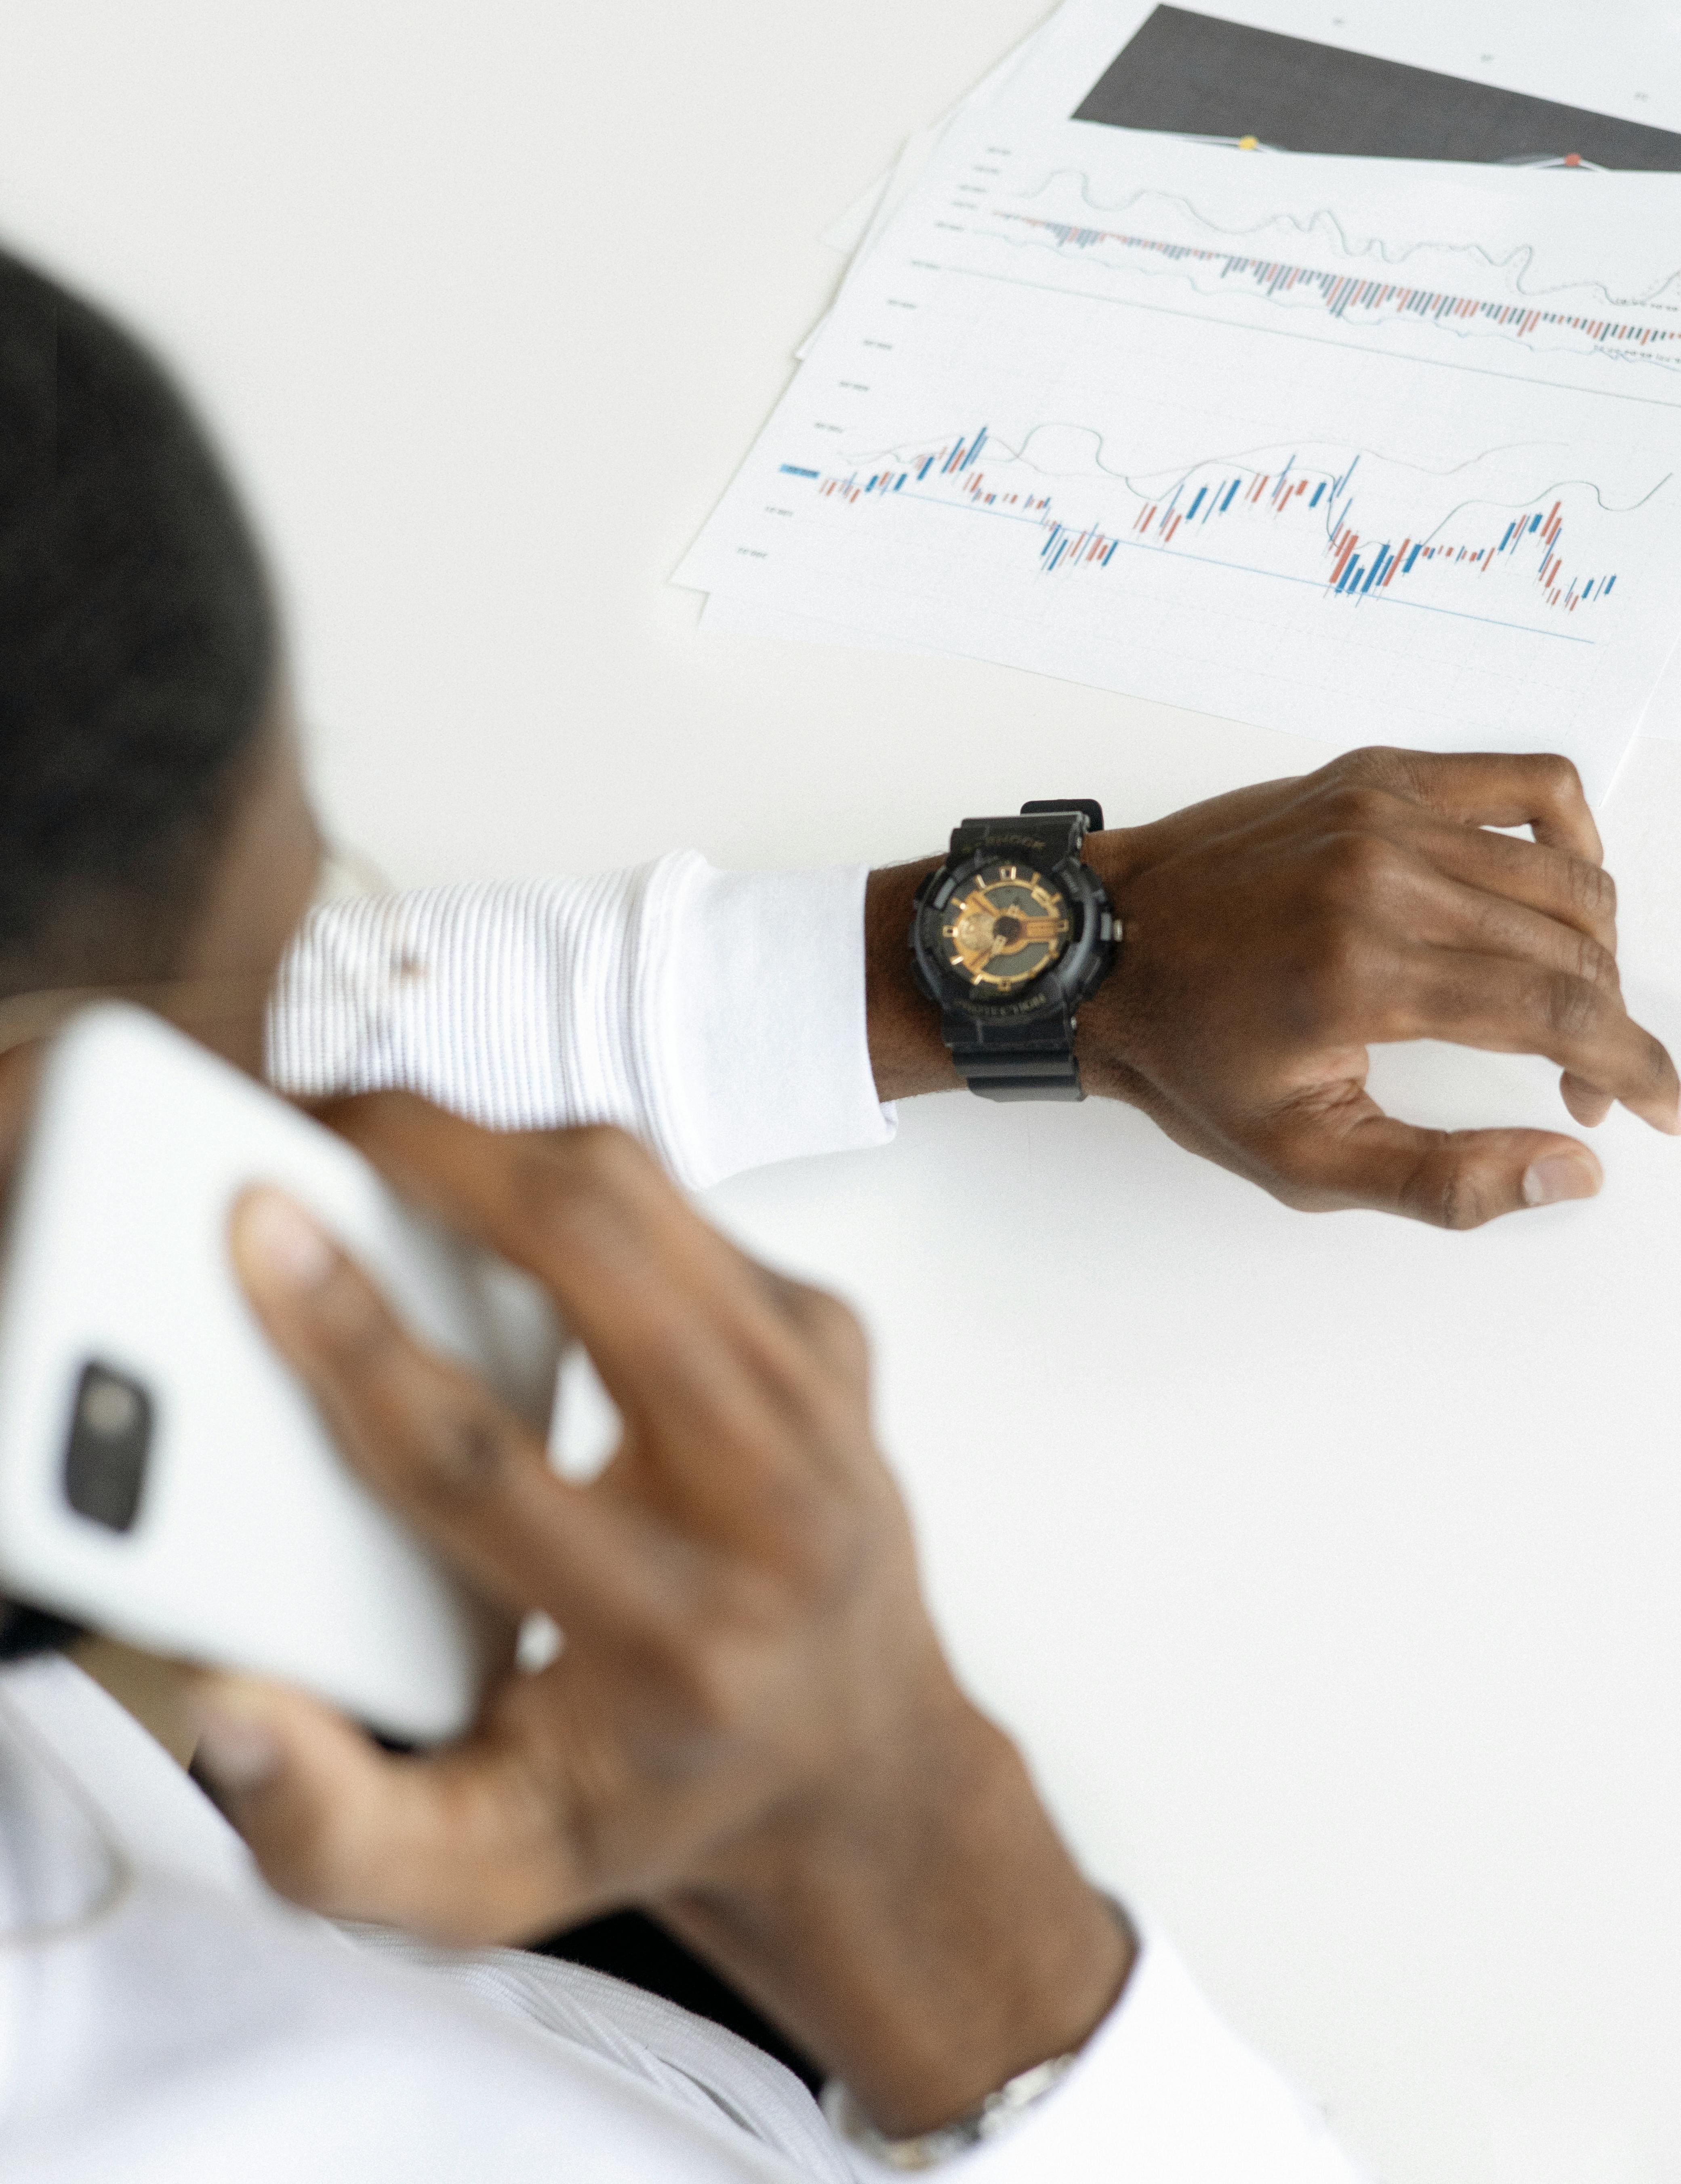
[
  {"x": 1329, "y": 446},
  {"x": 1518, "y": 268},
  {"x": 1289, "y": 513},
  {"x": 1343, "y": 294}
]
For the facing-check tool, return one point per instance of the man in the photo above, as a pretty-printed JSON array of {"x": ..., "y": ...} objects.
[{"x": 750, "y": 1729}]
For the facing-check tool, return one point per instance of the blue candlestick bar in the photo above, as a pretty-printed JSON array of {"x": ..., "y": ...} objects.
[{"x": 950, "y": 475}]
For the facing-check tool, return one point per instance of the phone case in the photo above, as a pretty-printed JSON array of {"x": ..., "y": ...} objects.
[{"x": 163, "y": 1478}]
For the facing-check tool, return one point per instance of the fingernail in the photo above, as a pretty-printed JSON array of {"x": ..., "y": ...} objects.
[
  {"x": 286, "y": 1242},
  {"x": 1557, "y": 1176}
]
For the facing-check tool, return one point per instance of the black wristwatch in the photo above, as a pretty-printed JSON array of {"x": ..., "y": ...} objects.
[{"x": 1009, "y": 935}]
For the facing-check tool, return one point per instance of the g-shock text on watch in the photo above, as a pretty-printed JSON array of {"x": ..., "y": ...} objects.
[{"x": 1009, "y": 935}]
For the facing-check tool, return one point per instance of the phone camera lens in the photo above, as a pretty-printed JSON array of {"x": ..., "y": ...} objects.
[
  {"x": 109, "y": 1407},
  {"x": 110, "y": 1438}
]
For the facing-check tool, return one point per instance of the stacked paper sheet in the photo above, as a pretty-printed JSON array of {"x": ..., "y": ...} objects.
[{"x": 1380, "y": 449}]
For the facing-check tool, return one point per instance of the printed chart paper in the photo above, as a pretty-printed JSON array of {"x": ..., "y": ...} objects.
[
  {"x": 1369, "y": 449},
  {"x": 1621, "y": 62}
]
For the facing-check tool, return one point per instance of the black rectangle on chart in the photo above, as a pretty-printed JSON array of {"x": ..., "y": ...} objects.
[{"x": 1199, "y": 76}]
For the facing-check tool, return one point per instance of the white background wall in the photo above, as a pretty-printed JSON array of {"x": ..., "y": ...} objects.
[{"x": 1327, "y": 1568}]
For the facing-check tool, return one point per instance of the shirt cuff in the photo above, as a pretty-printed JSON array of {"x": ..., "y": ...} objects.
[
  {"x": 1163, "y": 2093},
  {"x": 769, "y": 1052}
]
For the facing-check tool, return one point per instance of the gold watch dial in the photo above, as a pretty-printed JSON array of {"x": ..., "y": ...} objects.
[{"x": 1008, "y": 924}]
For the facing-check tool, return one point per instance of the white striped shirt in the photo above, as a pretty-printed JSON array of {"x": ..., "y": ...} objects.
[{"x": 720, "y": 1015}]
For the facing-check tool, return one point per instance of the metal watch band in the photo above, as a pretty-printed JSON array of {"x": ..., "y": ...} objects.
[
  {"x": 996, "y": 2113},
  {"x": 934, "y": 2148}
]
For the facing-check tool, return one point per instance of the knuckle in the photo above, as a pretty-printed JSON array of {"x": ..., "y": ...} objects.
[
  {"x": 1658, "y": 1068},
  {"x": 820, "y": 1534},
  {"x": 566, "y": 1181},
  {"x": 1460, "y": 1201},
  {"x": 1573, "y": 1006},
  {"x": 607, "y": 1154},
  {"x": 1451, "y": 1192},
  {"x": 1558, "y": 776},
  {"x": 1596, "y": 966},
  {"x": 1361, "y": 808},
  {"x": 834, "y": 1329},
  {"x": 1381, "y": 763},
  {"x": 1593, "y": 892},
  {"x": 462, "y": 1454},
  {"x": 1357, "y": 861},
  {"x": 713, "y": 1670},
  {"x": 1355, "y": 868},
  {"x": 596, "y": 1164}
]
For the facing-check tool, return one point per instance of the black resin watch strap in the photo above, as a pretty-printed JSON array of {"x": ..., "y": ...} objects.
[
  {"x": 997, "y": 1061},
  {"x": 1049, "y": 838},
  {"x": 1009, "y": 1080}
]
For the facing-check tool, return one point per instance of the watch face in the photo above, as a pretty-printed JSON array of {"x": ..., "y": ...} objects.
[{"x": 1003, "y": 926}]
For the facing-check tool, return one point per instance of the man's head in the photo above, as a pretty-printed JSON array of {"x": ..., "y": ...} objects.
[
  {"x": 153, "y": 828},
  {"x": 151, "y": 823}
]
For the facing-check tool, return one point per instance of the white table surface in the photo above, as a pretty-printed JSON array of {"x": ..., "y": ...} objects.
[{"x": 1327, "y": 1568}]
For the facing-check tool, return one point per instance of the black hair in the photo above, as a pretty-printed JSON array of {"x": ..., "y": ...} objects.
[{"x": 137, "y": 645}]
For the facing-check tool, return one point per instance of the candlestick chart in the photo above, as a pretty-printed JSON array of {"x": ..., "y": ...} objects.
[
  {"x": 1360, "y": 526},
  {"x": 1286, "y": 442}
]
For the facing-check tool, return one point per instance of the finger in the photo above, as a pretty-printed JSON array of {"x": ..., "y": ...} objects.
[
  {"x": 1569, "y": 890},
  {"x": 684, "y": 1330},
  {"x": 1357, "y": 1156},
  {"x": 1586, "y": 1102},
  {"x": 1509, "y": 1007},
  {"x": 1538, "y": 790},
  {"x": 1445, "y": 913},
  {"x": 461, "y": 1847},
  {"x": 434, "y": 1443},
  {"x": 587, "y": 1211},
  {"x": 825, "y": 1321}
]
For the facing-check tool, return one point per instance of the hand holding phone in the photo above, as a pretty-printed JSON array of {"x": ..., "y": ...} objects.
[
  {"x": 163, "y": 1478},
  {"x": 751, "y": 1725}
]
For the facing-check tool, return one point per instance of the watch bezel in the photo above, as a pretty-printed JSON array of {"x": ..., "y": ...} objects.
[{"x": 1060, "y": 986}]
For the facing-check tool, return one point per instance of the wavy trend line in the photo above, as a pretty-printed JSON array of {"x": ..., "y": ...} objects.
[
  {"x": 1326, "y": 224},
  {"x": 950, "y": 472},
  {"x": 1277, "y": 281},
  {"x": 1249, "y": 459}
]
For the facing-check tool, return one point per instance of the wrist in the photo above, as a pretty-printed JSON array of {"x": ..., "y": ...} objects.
[
  {"x": 1119, "y": 856},
  {"x": 907, "y": 1053},
  {"x": 926, "y": 1934}
]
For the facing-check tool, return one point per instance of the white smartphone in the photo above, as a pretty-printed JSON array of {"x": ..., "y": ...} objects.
[{"x": 163, "y": 1478}]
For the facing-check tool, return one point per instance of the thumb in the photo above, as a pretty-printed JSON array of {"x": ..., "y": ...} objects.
[
  {"x": 459, "y": 1846},
  {"x": 310, "y": 1794},
  {"x": 1452, "y": 1178}
]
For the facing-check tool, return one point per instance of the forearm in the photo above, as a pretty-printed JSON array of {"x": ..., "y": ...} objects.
[{"x": 928, "y": 1944}]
